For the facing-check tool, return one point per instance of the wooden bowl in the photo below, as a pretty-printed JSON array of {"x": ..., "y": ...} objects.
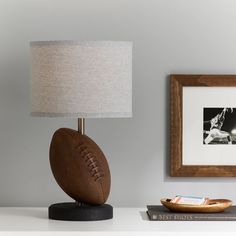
[{"x": 214, "y": 205}]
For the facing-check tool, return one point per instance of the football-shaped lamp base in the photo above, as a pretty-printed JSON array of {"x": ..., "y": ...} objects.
[{"x": 81, "y": 170}]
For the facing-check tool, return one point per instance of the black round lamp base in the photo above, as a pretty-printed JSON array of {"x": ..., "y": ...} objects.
[{"x": 70, "y": 211}]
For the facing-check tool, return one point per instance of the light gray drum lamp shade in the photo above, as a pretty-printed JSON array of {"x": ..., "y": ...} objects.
[{"x": 81, "y": 79}]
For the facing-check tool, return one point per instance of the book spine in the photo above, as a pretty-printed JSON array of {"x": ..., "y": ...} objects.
[{"x": 189, "y": 217}]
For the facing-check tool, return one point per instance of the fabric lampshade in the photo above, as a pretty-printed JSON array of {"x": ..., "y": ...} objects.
[{"x": 83, "y": 79}]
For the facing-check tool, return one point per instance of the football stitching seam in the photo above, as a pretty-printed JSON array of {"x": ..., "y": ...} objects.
[{"x": 91, "y": 162}]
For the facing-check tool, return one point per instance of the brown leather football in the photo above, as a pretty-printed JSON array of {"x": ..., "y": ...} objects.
[{"x": 79, "y": 167}]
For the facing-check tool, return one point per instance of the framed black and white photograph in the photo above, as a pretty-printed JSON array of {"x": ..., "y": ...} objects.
[
  {"x": 203, "y": 125},
  {"x": 219, "y": 125}
]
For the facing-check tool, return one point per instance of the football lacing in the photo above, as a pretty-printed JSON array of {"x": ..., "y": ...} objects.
[{"x": 91, "y": 162}]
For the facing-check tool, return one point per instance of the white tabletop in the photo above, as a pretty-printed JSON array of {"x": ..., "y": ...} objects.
[{"x": 125, "y": 219}]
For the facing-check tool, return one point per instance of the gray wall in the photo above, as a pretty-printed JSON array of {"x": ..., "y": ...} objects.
[{"x": 183, "y": 36}]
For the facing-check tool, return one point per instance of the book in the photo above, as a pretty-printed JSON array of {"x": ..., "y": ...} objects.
[{"x": 160, "y": 213}]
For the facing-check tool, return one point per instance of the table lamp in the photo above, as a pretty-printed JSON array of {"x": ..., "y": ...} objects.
[{"x": 81, "y": 79}]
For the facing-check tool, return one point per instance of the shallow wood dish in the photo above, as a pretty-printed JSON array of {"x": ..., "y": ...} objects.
[{"x": 214, "y": 205}]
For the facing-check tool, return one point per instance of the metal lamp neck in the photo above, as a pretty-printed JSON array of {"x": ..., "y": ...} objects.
[{"x": 81, "y": 125}]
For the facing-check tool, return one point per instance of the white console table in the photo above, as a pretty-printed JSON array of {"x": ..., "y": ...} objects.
[{"x": 130, "y": 220}]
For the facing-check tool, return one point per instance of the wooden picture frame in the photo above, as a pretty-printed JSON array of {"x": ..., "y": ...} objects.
[{"x": 177, "y": 83}]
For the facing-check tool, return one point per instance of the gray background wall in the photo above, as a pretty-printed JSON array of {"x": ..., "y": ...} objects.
[{"x": 183, "y": 36}]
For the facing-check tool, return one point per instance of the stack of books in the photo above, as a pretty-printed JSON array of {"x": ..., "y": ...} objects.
[{"x": 161, "y": 213}]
